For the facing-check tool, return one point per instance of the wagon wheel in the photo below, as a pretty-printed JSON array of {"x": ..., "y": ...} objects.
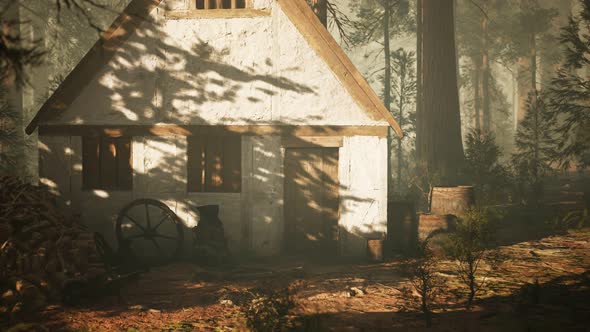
[{"x": 150, "y": 230}]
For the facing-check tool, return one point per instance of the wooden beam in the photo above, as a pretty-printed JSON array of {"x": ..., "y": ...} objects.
[
  {"x": 328, "y": 49},
  {"x": 216, "y": 13},
  {"x": 312, "y": 141},
  {"x": 188, "y": 130}
]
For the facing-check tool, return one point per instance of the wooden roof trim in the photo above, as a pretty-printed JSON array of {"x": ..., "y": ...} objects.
[
  {"x": 191, "y": 130},
  {"x": 328, "y": 49},
  {"x": 96, "y": 58}
]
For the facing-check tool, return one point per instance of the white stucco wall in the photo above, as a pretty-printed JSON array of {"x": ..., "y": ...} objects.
[
  {"x": 253, "y": 219},
  {"x": 257, "y": 70}
]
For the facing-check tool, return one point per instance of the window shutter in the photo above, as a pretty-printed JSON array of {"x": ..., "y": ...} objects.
[
  {"x": 90, "y": 162},
  {"x": 108, "y": 163},
  {"x": 232, "y": 164},
  {"x": 214, "y": 165},
  {"x": 124, "y": 169},
  {"x": 196, "y": 164}
]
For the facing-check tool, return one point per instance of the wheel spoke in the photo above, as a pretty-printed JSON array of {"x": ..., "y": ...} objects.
[
  {"x": 161, "y": 221},
  {"x": 135, "y": 222},
  {"x": 156, "y": 243},
  {"x": 166, "y": 237},
  {"x": 147, "y": 215},
  {"x": 136, "y": 236}
]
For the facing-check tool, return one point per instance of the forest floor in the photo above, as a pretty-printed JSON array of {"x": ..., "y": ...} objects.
[{"x": 355, "y": 297}]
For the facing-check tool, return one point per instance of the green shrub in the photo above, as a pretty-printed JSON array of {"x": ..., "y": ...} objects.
[
  {"x": 484, "y": 169},
  {"x": 468, "y": 245},
  {"x": 267, "y": 313}
]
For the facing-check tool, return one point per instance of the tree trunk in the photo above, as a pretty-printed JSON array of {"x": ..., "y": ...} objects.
[
  {"x": 320, "y": 8},
  {"x": 533, "y": 61},
  {"x": 387, "y": 88},
  {"x": 441, "y": 147},
  {"x": 12, "y": 146},
  {"x": 477, "y": 93},
  {"x": 523, "y": 70},
  {"x": 485, "y": 79},
  {"x": 401, "y": 121},
  {"x": 419, "y": 59}
]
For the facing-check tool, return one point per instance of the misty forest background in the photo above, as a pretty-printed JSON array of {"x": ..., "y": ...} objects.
[{"x": 498, "y": 98}]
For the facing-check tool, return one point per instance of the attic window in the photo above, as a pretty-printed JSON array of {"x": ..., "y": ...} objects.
[{"x": 221, "y": 4}]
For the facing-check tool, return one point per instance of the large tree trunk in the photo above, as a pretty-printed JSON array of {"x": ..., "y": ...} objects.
[
  {"x": 320, "y": 8},
  {"x": 548, "y": 64},
  {"x": 441, "y": 148}
]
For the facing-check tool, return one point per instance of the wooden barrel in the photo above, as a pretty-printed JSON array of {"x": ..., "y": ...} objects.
[
  {"x": 452, "y": 200},
  {"x": 436, "y": 229}
]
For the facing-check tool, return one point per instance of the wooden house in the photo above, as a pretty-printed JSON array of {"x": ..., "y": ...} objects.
[{"x": 247, "y": 104}]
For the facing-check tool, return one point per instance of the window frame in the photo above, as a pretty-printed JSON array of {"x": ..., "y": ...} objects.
[
  {"x": 207, "y": 5},
  {"x": 95, "y": 164},
  {"x": 227, "y": 171}
]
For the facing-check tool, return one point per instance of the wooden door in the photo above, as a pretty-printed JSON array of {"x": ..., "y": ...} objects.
[{"x": 311, "y": 201}]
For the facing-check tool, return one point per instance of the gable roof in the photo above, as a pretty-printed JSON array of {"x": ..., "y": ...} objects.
[{"x": 139, "y": 10}]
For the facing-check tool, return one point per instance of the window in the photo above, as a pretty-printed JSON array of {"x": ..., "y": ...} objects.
[
  {"x": 221, "y": 4},
  {"x": 106, "y": 163},
  {"x": 214, "y": 164}
]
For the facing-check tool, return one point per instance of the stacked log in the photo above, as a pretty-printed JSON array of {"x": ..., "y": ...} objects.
[{"x": 40, "y": 249}]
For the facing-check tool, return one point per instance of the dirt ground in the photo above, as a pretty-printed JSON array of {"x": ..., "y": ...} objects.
[{"x": 183, "y": 297}]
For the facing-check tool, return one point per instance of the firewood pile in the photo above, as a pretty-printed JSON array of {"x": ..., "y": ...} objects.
[{"x": 41, "y": 250}]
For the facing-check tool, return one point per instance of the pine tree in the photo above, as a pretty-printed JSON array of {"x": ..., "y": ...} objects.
[
  {"x": 404, "y": 95},
  {"x": 379, "y": 21},
  {"x": 570, "y": 91},
  {"x": 536, "y": 149}
]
